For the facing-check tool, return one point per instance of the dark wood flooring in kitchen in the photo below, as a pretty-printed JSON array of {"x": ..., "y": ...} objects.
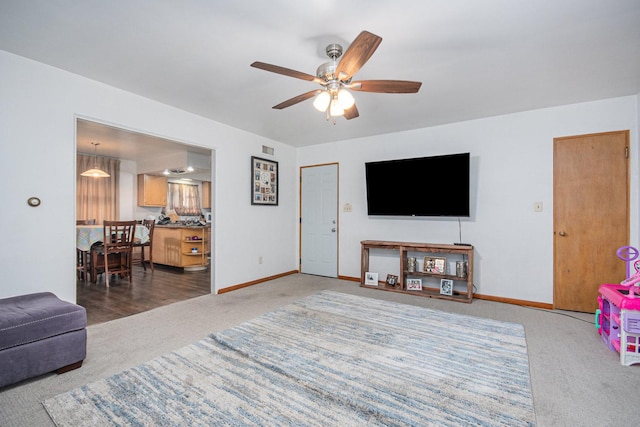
[{"x": 164, "y": 286}]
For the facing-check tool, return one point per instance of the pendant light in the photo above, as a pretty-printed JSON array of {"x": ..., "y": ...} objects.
[{"x": 95, "y": 172}]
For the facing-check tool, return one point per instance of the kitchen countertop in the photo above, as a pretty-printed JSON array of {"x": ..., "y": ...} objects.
[{"x": 178, "y": 225}]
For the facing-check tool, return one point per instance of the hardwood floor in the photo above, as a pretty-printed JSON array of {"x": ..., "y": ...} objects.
[{"x": 165, "y": 285}]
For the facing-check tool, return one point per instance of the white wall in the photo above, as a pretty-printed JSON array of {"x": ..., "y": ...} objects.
[
  {"x": 38, "y": 108},
  {"x": 128, "y": 191},
  {"x": 511, "y": 168}
]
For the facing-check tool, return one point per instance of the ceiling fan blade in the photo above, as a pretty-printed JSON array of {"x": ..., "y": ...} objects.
[
  {"x": 286, "y": 71},
  {"x": 386, "y": 86},
  {"x": 297, "y": 99},
  {"x": 357, "y": 54},
  {"x": 351, "y": 113}
]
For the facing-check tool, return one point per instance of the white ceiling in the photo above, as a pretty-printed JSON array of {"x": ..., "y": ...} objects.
[
  {"x": 475, "y": 58},
  {"x": 151, "y": 153}
]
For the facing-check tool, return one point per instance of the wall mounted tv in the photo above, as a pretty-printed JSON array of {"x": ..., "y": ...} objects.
[{"x": 424, "y": 186}]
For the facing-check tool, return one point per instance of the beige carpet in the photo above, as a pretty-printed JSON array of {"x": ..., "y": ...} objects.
[
  {"x": 328, "y": 359},
  {"x": 576, "y": 380}
]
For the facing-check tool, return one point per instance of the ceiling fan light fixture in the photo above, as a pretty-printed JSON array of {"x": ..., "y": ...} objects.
[
  {"x": 345, "y": 99},
  {"x": 95, "y": 172},
  {"x": 335, "y": 77},
  {"x": 335, "y": 109},
  {"x": 321, "y": 103}
]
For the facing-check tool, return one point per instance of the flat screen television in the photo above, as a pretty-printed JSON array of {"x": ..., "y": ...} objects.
[{"x": 424, "y": 186}]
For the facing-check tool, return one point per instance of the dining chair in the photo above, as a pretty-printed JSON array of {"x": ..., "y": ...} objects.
[
  {"x": 82, "y": 257},
  {"x": 150, "y": 225},
  {"x": 115, "y": 253}
]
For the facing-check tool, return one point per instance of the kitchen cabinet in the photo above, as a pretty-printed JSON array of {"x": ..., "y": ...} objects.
[
  {"x": 206, "y": 195},
  {"x": 182, "y": 246},
  {"x": 152, "y": 190}
]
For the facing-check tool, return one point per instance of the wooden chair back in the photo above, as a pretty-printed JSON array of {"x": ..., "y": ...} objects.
[
  {"x": 117, "y": 246},
  {"x": 118, "y": 235},
  {"x": 150, "y": 225}
]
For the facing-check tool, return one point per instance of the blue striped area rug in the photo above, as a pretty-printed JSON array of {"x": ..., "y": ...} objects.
[{"x": 330, "y": 359}]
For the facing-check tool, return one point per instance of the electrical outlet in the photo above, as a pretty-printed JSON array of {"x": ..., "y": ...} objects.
[
  {"x": 537, "y": 206},
  {"x": 260, "y": 260},
  {"x": 347, "y": 207}
]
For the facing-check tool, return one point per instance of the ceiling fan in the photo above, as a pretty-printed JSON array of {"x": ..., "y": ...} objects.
[{"x": 335, "y": 77}]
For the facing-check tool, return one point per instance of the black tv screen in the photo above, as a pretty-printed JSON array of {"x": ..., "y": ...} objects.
[{"x": 424, "y": 186}]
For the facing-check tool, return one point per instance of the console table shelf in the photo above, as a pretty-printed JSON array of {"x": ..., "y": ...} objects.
[{"x": 462, "y": 252}]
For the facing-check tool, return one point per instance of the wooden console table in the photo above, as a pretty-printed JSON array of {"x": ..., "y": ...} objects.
[{"x": 431, "y": 281}]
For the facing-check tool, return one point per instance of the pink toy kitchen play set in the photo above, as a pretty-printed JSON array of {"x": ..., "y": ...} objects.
[{"x": 618, "y": 315}]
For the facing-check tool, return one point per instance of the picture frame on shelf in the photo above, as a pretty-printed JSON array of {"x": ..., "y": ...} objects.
[
  {"x": 392, "y": 280},
  {"x": 446, "y": 287},
  {"x": 370, "y": 278},
  {"x": 264, "y": 182},
  {"x": 414, "y": 284},
  {"x": 435, "y": 265}
]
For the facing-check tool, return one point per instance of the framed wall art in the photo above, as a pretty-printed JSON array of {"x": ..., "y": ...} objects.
[
  {"x": 446, "y": 287},
  {"x": 414, "y": 284},
  {"x": 371, "y": 279},
  {"x": 392, "y": 280},
  {"x": 435, "y": 265},
  {"x": 264, "y": 182}
]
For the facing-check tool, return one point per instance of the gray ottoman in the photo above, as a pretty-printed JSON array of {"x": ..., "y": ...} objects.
[{"x": 40, "y": 333}]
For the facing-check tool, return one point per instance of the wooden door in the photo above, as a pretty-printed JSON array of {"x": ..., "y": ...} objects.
[
  {"x": 319, "y": 222},
  {"x": 590, "y": 215}
]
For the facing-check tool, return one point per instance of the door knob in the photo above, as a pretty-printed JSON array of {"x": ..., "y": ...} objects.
[{"x": 562, "y": 233}]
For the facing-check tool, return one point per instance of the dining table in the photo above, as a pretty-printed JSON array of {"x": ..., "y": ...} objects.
[{"x": 87, "y": 235}]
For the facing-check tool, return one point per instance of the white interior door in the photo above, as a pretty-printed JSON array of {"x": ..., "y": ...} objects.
[{"x": 319, "y": 222}]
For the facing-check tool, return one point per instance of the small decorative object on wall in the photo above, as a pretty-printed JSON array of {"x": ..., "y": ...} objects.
[
  {"x": 414, "y": 284},
  {"x": 371, "y": 279},
  {"x": 264, "y": 182},
  {"x": 435, "y": 265},
  {"x": 392, "y": 280},
  {"x": 446, "y": 287}
]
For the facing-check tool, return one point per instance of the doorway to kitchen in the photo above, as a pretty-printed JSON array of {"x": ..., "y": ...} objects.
[{"x": 147, "y": 155}]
